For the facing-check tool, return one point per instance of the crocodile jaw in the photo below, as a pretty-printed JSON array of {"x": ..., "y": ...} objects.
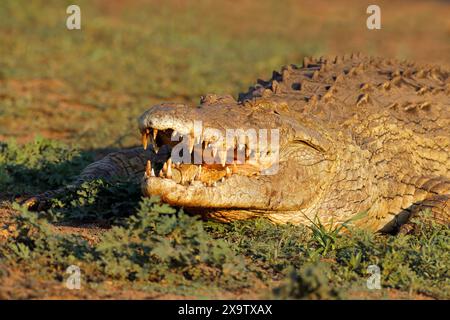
[
  {"x": 232, "y": 184},
  {"x": 236, "y": 192}
]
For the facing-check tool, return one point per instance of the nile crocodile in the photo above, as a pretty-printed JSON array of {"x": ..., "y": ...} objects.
[{"x": 356, "y": 134}]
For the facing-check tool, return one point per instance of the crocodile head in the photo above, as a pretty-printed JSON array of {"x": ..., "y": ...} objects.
[{"x": 209, "y": 161}]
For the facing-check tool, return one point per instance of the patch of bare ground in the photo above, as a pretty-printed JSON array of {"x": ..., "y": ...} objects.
[
  {"x": 24, "y": 284},
  {"x": 90, "y": 232},
  {"x": 386, "y": 294},
  {"x": 5, "y": 228},
  {"x": 18, "y": 283},
  {"x": 50, "y": 108}
]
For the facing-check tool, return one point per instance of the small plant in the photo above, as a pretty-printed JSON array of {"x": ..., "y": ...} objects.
[
  {"x": 311, "y": 282},
  {"x": 270, "y": 246},
  {"x": 326, "y": 237},
  {"x": 159, "y": 240},
  {"x": 159, "y": 244},
  {"x": 416, "y": 263},
  {"x": 34, "y": 240},
  {"x": 37, "y": 166},
  {"x": 96, "y": 200}
]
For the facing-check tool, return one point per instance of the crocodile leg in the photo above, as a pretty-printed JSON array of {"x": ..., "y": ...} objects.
[
  {"x": 128, "y": 164},
  {"x": 124, "y": 164},
  {"x": 437, "y": 207},
  {"x": 431, "y": 203}
]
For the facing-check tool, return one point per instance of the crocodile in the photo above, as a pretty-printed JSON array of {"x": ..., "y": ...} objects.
[{"x": 356, "y": 134}]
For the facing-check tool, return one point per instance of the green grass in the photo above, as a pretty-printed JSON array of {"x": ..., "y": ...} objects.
[
  {"x": 153, "y": 53},
  {"x": 128, "y": 57},
  {"x": 154, "y": 247},
  {"x": 118, "y": 66}
]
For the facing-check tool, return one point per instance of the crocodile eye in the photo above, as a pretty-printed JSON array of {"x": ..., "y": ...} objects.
[{"x": 309, "y": 145}]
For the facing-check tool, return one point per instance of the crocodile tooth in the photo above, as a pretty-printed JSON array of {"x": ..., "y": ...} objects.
[
  {"x": 247, "y": 152},
  {"x": 145, "y": 139},
  {"x": 191, "y": 145},
  {"x": 197, "y": 140},
  {"x": 155, "y": 133},
  {"x": 222, "y": 180},
  {"x": 214, "y": 151},
  {"x": 169, "y": 168},
  {"x": 198, "y": 174},
  {"x": 152, "y": 173},
  {"x": 161, "y": 174},
  {"x": 164, "y": 168},
  {"x": 223, "y": 157},
  {"x": 228, "y": 174},
  {"x": 214, "y": 184},
  {"x": 153, "y": 142},
  {"x": 148, "y": 168}
]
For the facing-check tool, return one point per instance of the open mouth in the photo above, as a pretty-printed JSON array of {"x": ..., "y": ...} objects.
[{"x": 207, "y": 164}]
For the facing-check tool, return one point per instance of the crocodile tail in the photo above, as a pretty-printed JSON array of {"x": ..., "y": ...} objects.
[
  {"x": 433, "y": 208},
  {"x": 125, "y": 164}
]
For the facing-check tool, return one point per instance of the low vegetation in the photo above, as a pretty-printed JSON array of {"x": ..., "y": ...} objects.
[{"x": 150, "y": 246}]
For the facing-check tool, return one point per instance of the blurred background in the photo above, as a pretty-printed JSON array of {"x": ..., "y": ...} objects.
[{"x": 86, "y": 87}]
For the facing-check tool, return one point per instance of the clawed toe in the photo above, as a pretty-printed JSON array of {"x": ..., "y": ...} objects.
[{"x": 34, "y": 203}]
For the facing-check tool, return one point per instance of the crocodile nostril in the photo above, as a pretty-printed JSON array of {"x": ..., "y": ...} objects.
[{"x": 296, "y": 86}]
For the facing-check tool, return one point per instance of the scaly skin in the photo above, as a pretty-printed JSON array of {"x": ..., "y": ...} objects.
[{"x": 356, "y": 134}]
